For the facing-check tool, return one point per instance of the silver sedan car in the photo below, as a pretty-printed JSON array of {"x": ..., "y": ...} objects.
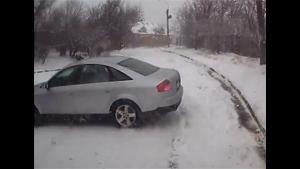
[{"x": 123, "y": 87}]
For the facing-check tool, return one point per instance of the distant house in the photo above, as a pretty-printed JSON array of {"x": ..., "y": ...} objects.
[{"x": 147, "y": 34}]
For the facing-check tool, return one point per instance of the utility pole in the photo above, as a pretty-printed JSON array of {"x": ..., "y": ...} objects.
[{"x": 168, "y": 17}]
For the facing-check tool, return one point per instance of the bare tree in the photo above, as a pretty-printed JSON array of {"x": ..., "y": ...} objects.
[
  {"x": 42, "y": 39},
  {"x": 96, "y": 37},
  {"x": 220, "y": 25},
  {"x": 117, "y": 20},
  {"x": 73, "y": 27},
  {"x": 42, "y": 9},
  {"x": 261, "y": 30},
  {"x": 67, "y": 21}
]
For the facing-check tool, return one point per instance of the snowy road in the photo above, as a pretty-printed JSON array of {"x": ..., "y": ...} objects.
[{"x": 203, "y": 133}]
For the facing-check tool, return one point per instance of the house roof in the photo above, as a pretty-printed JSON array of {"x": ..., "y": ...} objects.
[{"x": 148, "y": 26}]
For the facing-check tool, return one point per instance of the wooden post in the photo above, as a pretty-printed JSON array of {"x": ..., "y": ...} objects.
[{"x": 168, "y": 27}]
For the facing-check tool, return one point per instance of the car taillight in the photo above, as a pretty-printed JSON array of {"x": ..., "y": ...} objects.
[{"x": 164, "y": 86}]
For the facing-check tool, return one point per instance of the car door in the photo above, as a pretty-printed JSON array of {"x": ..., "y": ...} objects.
[
  {"x": 94, "y": 90},
  {"x": 58, "y": 98},
  {"x": 85, "y": 89}
]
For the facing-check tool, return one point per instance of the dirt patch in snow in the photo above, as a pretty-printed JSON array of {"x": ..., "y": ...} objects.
[
  {"x": 244, "y": 118},
  {"x": 172, "y": 164},
  {"x": 247, "y": 117}
]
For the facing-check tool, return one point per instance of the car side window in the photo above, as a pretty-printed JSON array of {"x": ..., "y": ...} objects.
[
  {"x": 94, "y": 74},
  {"x": 69, "y": 76},
  {"x": 117, "y": 75}
]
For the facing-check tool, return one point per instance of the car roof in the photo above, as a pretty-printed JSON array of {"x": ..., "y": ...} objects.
[{"x": 105, "y": 60}]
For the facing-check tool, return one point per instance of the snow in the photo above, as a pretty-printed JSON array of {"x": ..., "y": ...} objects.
[
  {"x": 99, "y": 146},
  {"x": 244, "y": 72},
  {"x": 203, "y": 133},
  {"x": 53, "y": 62}
]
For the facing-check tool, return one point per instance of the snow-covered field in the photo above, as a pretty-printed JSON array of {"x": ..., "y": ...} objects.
[{"x": 203, "y": 133}]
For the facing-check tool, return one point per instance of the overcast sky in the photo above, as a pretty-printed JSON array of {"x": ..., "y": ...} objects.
[{"x": 154, "y": 10}]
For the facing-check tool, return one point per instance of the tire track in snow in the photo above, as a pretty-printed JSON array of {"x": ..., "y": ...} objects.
[
  {"x": 177, "y": 140},
  {"x": 247, "y": 117}
]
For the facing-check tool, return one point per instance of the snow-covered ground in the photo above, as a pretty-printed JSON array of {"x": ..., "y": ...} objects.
[
  {"x": 203, "y": 133},
  {"x": 53, "y": 62},
  {"x": 245, "y": 73}
]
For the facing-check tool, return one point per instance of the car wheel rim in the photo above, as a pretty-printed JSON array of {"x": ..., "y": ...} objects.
[{"x": 125, "y": 115}]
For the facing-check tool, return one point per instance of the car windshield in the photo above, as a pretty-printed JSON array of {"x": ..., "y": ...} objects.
[{"x": 139, "y": 66}]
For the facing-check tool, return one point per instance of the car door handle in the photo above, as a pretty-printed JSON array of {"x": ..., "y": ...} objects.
[
  {"x": 107, "y": 91},
  {"x": 71, "y": 94}
]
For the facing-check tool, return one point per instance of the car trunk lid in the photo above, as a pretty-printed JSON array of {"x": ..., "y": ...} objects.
[{"x": 170, "y": 75}]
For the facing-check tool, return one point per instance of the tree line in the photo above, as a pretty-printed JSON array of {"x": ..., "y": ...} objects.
[
  {"x": 224, "y": 26},
  {"x": 74, "y": 26}
]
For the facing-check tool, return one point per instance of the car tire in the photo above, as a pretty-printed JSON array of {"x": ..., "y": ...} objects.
[{"x": 126, "y": 114}]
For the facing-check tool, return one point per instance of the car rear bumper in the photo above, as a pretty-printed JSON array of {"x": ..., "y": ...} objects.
[
  {"x": 160, "y": 111},
  {"x": 167, "y": 109}
]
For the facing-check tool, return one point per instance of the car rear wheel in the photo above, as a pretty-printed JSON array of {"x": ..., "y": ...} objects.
[{"x": 126, "y": 114}]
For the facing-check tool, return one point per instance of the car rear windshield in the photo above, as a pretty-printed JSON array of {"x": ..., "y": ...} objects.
[{"x": 138, "y": 66}]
